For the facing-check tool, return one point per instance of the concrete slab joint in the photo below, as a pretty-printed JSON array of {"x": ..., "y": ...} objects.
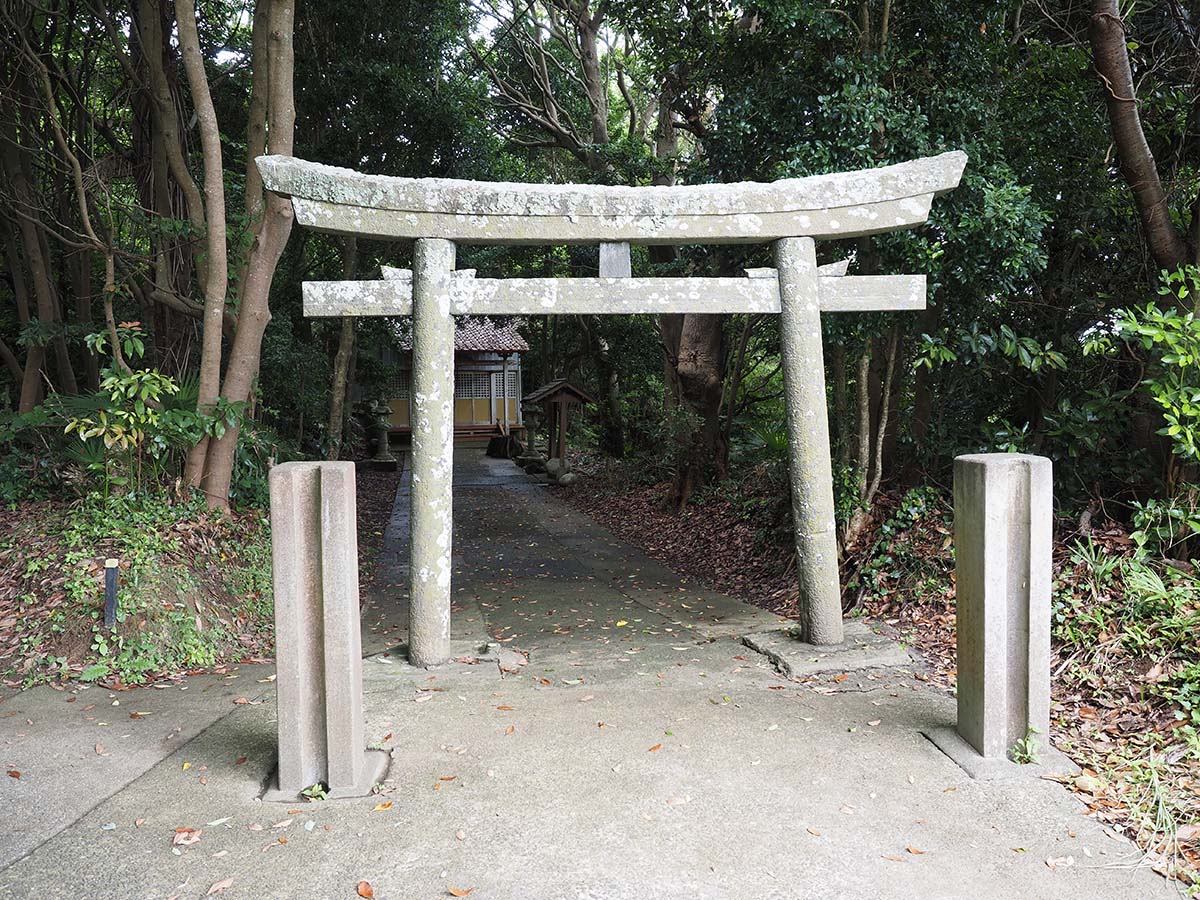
[
  {"x": 1003, "y": 524},
  {"x": 314, "y": 555}
]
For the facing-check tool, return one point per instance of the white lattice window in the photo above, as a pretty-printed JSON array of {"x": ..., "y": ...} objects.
[
  {"x": 397, "y": 385},
  {"x": 472, "y": 385},
  {"x": 514, "y": 383}
]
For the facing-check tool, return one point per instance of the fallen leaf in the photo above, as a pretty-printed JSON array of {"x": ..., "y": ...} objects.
[
  {"x": 219, "y": 886},
  {"x": 505, "y": 708},
  {"x": 842, "y": 677},
  {"x": 365, "y": 890},
  {"x": 460, "y": 835},
  {"x": 913, "y": 850},
  {"x": 813, "y": 832},
  {"x": 239, "y": 760},
  {"x": 186, "y": 836},
  {"x": 1188, "y": 832},
  {"x": 13, "y": 773},
  {"x": 386, "y": 804},
  {"x": 460, "y": 892},
  {"x": 510, "y": 729},
  {"x": 1055, "y": 862},
  {"x": 893, "y": 857},
  {"x": 655, "y": 747}
]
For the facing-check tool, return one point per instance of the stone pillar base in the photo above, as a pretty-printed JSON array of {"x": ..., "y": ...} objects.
[{"x": 374, "y": 769}]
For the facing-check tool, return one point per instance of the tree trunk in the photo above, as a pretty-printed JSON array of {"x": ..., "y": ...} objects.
[
  {"x": 216, "y": 255},
  {"x": 700, "y": 370},
  {"x": 341, "y": 360},
  {"x": 612, "y": 429},
  {"x": 30, "y": 377},
  {"x": 1111, "y": 56},
  {"x": 246, "y": 351}
]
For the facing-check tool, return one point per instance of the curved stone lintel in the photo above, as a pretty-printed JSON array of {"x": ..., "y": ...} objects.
[{"x": 838, "y": 205}]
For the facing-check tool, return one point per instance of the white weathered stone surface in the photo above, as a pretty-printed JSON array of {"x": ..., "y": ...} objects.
[
  {"x": 808, "y": 436},
  {"x": 1003, "y": 531},
  {"x": 616, "y": 260},
  {"x": 839, "y": 205},
  {"x": 314, "y": 551},
  {"x": 432, "y": 453},
  {"x": 611, "y": 295}
]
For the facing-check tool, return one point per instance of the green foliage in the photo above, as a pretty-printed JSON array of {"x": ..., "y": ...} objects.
[
  {"x": 1120, "y": 611},
  {"x": 1025, "y": 751},
  {"x": 899, "y": 560},
  {"x": 1171, "y": 339}
]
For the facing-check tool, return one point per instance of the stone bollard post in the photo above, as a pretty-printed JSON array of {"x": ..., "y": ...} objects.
[
  {"x": 1003, "y": 532},
  {"x": 314, "y": 555}
]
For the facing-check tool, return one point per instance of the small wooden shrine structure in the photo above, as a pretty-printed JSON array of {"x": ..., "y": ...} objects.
[{"x": 554, "y": 398}]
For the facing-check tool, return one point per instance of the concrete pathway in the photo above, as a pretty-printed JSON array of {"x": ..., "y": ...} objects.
[{"x": 604, "y": 736}]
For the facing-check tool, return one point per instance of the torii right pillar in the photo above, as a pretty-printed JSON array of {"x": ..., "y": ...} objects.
[{"x": 810, "y": 461}]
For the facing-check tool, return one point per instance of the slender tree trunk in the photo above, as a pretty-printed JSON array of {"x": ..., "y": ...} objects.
[
  {"x": 841, "y": 404},
  {"x": 245, "y": 353},
  {"x": 216, "y": 259},
  {"x": 341, "y": 361},
  {"x": 1110, "y": 54},
  {"x": 30, "y": 377}
]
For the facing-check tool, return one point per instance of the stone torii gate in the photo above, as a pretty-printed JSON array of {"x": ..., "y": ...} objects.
[{"x": 439, "y": 213}]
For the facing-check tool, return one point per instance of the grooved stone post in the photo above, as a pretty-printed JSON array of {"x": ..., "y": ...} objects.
[
  {"x": 1003, "y": 506},
  {"x": 314, "y": 555},
  {"x": 808, "y": 436},
  {"x": 432, "y": 453}
]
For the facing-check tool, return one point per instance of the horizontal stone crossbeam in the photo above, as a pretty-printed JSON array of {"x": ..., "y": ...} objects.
[
  {"x": 840, "y": 205},
  {"x": 578, "y": 296}
]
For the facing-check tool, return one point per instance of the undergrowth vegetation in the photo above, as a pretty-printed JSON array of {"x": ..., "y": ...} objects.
[
  {"x": 90, "y": 477},
  {"x": 194, "y": 589}
]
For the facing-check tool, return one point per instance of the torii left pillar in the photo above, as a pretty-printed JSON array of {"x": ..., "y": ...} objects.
[
  {"x": 809, "y": 458},
  {"x": 431, "y": 497}
]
